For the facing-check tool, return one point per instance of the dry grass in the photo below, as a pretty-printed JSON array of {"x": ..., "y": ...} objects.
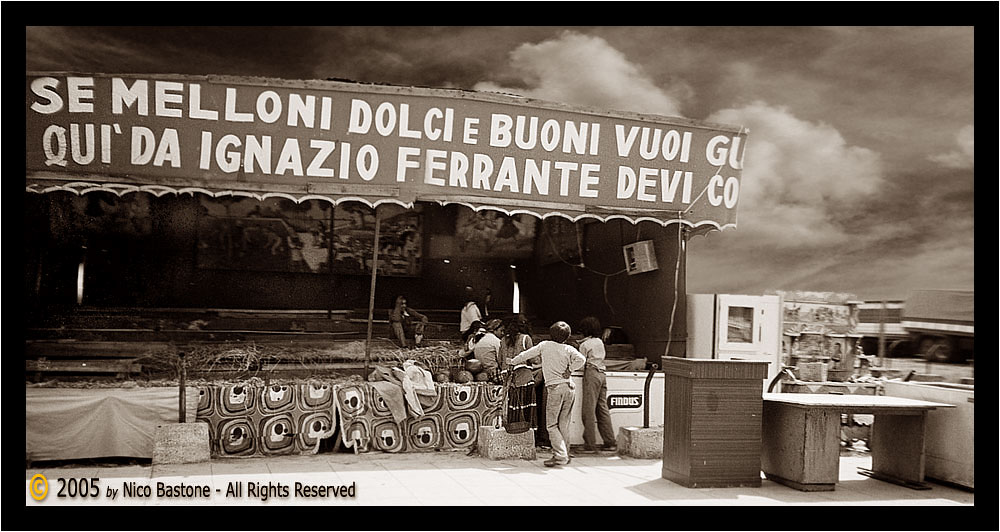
[{"x": 250, "y": 363}]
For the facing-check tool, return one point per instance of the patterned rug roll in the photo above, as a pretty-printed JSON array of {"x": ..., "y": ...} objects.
[
  {"x": 451, "y": 419},
  {"x": 252, "y": 421}
]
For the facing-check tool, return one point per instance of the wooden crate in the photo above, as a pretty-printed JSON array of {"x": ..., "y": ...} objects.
[{"x": 712, "y": 422}]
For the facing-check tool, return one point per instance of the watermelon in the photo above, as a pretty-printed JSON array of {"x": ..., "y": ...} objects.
[
  {"x": 482, "y": 376},
  {"x": 441, "y": 377},
  {"x": 473, "y": 365},
  {"x": 463, "y": 377}
]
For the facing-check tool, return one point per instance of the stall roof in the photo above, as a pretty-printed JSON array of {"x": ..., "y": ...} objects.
[{"x": 374, "y": 144}]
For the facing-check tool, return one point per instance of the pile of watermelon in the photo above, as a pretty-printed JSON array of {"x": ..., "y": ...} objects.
[{"x": 469, "y": 371}]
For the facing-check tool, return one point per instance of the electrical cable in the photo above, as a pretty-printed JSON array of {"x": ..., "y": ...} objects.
[
  {"x": 581, "y": 264},
  {"x": 677, "y": 269}
]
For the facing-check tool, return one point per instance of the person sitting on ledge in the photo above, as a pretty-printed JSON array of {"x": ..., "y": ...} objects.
[{"x": 407, "y": 323}]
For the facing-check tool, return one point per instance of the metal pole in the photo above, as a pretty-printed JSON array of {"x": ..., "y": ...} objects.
[
  {"x": 881, "y": 335},
  {"x": 182, "y": 391},
  {"x": 371, "y": 295},
  {"x": 330, "y": 257},
  {"x": 645, "y": 395}
]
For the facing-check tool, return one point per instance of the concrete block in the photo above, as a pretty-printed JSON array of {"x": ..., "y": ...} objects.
[
  {"x": 639, "y": 442},
  {"x": 181, "y": 443},
  {"x": 497, "y": 444}
]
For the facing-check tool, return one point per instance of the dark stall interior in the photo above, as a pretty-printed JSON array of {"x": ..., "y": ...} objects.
[{"x": 194, "y": 251}]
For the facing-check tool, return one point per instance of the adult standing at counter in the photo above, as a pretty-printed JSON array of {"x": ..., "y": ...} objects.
[
  {"x": 595, "y": 389},
  {"x": 559, "y": 361}
]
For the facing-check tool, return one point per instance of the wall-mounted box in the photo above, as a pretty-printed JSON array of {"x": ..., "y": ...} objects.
[{"x": 640, "y": 257}]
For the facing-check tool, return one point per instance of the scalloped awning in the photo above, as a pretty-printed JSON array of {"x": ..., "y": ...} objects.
[{"x": 340, "y": 142}]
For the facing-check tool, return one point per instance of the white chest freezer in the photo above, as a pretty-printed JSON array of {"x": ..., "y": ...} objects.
[{"x": 625, "y": 402}]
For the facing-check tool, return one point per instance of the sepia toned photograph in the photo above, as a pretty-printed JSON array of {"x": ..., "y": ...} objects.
[{"x": 497, "y": 269}]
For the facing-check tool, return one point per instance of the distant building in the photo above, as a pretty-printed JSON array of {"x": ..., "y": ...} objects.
[
  {"x": 820, "y": 327},
  {"x": 938, "y": 325},
  {"x": 889, "y": 314}
]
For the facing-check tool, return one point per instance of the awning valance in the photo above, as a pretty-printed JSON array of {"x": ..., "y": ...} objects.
[{"x": 375, "y": 144}]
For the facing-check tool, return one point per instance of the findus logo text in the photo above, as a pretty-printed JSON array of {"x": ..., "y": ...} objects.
[{"x": 624, "y": 401}]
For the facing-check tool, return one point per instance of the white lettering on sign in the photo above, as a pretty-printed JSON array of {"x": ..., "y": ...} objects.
[
  {"x": 168, "y": 92},
  {"x": 269, "y": 107},
  {"x": 670, "y": 144},
  {"x": 403, "y": 162},
  {"x": 81, "y": 156},
  {"x": 324, "y": 148},
  {"x": 471, "y": 132},
  {"x": 45, "y": 88},
  {"x": 730, "y": 191},
  {"x": 644, "y": 186},
  {"x": 58, "y": 135},
  {"x": 80, "y": 88},
  {"x": 194, "y": 105},
  {"x": 717, "y": 154},
  {"x": 423, "y": 141},
  {"x": 624, "y": 401},
  {"x": 145, "y": 147},
  {"x": 123, "y": 96},
  {"x": 255, "y": 154},
  {"x": 580, "y": 138},
  {"x": 389, "y": 120}
]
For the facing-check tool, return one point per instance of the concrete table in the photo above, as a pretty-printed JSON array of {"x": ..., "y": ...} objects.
[{"x": 801, "y": 438}]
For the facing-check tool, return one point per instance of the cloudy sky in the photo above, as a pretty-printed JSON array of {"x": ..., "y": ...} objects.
[{"x": 858, "y": 175}]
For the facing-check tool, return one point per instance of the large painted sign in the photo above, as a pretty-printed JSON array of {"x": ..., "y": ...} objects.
[{"x": 379, "y": 143}]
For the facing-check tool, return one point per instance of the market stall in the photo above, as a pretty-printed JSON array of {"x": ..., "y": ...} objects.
[{"x": 169, "y": 191}]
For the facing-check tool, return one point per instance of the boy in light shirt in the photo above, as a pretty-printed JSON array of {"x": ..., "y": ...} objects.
[{"x": 559, "y": 361}]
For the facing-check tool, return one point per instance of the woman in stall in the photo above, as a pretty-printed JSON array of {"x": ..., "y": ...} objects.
[
  {"x": 487, "y": 348},
  {"x": 524, "y": 383}
]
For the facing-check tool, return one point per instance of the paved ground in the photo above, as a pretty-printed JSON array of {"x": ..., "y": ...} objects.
[{"x": 456, "y": 479}]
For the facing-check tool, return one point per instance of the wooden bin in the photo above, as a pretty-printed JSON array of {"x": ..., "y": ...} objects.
[{"x": 712, "y": 422}]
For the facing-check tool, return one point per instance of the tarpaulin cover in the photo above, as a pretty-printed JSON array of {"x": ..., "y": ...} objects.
[
  {"x": 244, "y": 420},
  {"x": 75, "y": 423}
]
